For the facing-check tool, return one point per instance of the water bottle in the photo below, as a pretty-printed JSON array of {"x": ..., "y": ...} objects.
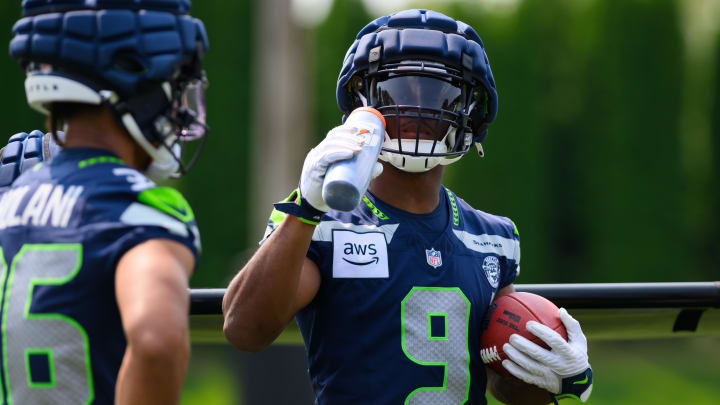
[{"x": 347, "y": 180}]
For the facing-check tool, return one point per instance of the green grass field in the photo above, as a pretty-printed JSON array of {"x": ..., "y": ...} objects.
[{"x": 631, "y": 372}]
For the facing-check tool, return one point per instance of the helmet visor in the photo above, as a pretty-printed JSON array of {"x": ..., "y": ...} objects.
[
  {"x": 190, "y": 118},
  {"x": 424, "y": 91},
  {"x": 193, "y": 104},
  {"x": 418, "y": 107}
]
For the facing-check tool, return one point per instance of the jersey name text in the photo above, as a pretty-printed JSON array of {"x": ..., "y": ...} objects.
[{"x": 49, "y": 205}]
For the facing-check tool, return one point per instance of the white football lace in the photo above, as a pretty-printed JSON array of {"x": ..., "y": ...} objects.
[{"x": 489, "y": 354}]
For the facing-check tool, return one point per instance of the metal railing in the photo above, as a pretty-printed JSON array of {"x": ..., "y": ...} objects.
[{"x": 605, "y": 310}]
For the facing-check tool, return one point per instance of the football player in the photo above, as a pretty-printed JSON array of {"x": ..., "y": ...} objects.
[
  {"x": 94, "y": 256},
  {"x": 390, "y": 297}
]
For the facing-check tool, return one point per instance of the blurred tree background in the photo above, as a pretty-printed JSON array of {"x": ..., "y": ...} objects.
[{"x": 605, "y": 152}]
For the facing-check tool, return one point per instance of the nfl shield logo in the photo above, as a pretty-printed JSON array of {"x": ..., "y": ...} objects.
[{"x": 433, "y": 257}]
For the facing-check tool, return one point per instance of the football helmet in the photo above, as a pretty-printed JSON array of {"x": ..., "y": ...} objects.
[
  {"x": 428, "y": 74},
  {"x": 142, "y": 59}
]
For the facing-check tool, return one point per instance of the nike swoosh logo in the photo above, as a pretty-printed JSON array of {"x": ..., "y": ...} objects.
[
  {"x": 181, "y": 211},
  {"x": 581, "y": 382},
  {"x": 374, "y": 259}
]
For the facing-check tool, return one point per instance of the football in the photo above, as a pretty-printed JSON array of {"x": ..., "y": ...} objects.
[{"x": 509, "y": 314}]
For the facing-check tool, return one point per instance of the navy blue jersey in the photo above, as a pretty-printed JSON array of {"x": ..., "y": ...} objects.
[
  {"x": 63, "y": 228},
  {"x": 397, "y": 318}
]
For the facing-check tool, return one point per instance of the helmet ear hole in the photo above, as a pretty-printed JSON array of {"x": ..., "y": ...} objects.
[
  {"x": 356, "y": 92},
  {"x": 128, "y": 63}
]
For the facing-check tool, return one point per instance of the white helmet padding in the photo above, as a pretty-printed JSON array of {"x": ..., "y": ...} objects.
[{"x": 417, "y": 164}]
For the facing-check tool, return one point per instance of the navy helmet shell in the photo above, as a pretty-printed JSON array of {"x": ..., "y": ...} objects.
[{"x": 112, "y": 45}]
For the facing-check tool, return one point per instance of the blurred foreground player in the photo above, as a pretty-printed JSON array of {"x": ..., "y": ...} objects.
[
  {"x": 390, "y": 296},
  {"x": 95, "y": 258}
]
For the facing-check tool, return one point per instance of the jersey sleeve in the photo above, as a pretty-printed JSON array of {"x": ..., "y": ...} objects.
[
  {"x": 132, "y": 210},
  {"x": 512, "y": 269}
]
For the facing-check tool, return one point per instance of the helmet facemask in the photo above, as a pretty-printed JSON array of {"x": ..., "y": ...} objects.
[
  {"x": 169, "y": 120},
  {"x": 427, "y": 107},
  {"x": 183, "y": 128}
]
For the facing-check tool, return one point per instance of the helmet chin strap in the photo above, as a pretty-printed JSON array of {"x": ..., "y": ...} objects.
[
  {"x": 415, "y": 164},
  {"x": 166, "y": 167},
  {"x": 163, "y": 165},
  {"x": 165, "y": 157}
]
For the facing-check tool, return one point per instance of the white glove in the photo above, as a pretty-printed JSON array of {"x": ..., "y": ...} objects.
[
  {"x": 564, "y": 370},
  {"x": 341, "y": 143}
]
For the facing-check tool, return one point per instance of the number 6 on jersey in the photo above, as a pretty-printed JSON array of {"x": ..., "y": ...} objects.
[{"x": 53, "y": 347}]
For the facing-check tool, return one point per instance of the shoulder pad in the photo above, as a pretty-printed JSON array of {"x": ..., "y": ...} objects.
[
  {"x": 164, "y": 207},
  {"x": 169, "y": 201},
  {"x": 480, "y": 221}
]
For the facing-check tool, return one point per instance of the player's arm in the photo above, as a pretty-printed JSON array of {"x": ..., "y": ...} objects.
[
  {"x": 279, "y": 280},
  {"x": 515, "y": 392},
  {"x": 151, "y": 285},
  {"x": 274, "y": 285}
]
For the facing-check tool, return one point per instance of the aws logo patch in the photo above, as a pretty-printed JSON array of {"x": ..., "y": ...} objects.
[
  {"x": 359, "y": 255},
  {"x": 352, "y": 249}
]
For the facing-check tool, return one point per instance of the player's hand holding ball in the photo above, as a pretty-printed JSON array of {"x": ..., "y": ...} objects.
[
  {"x": 564, "y": 370},
  {"x": 528, "y": 337}
]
